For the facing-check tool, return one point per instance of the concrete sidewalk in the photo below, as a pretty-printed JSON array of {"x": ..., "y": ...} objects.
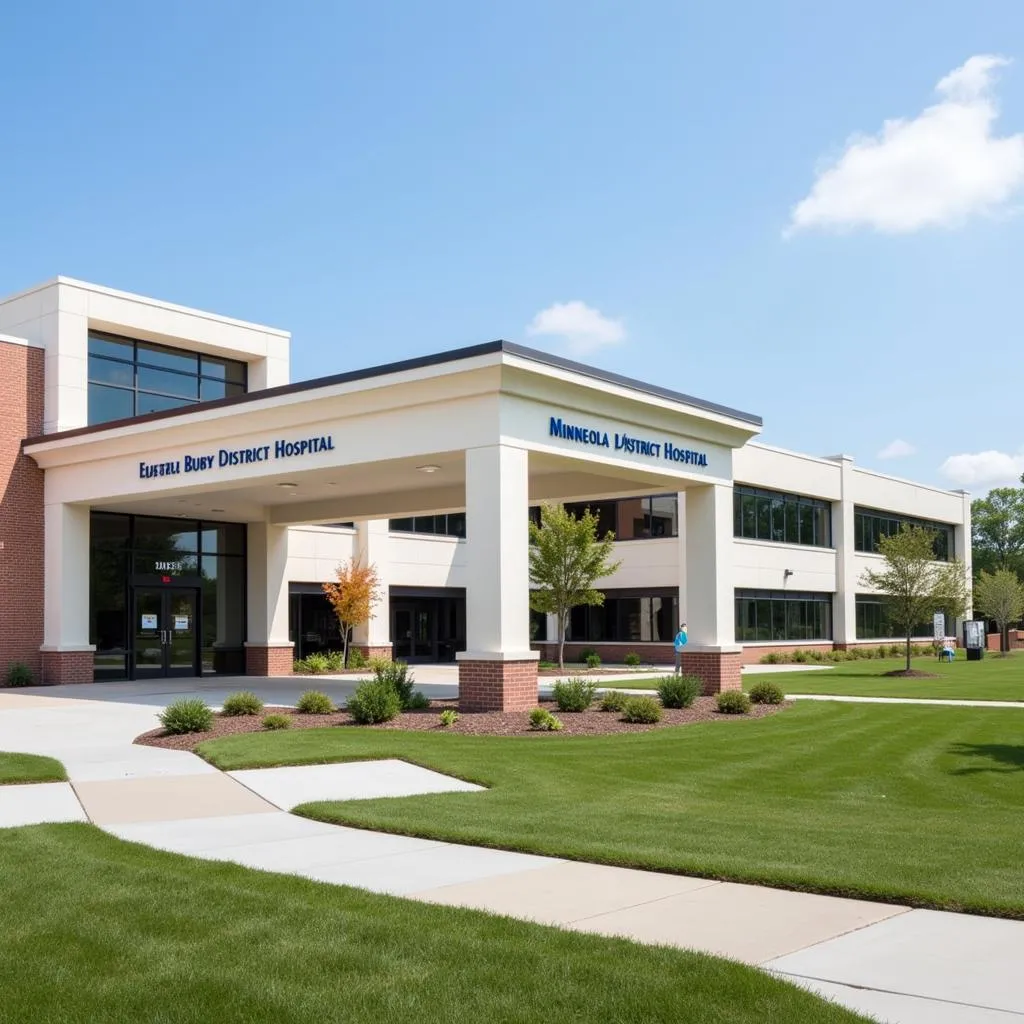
[{"x": 900, "y": 965}]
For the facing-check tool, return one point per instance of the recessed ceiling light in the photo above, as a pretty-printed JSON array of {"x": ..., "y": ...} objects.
[
  {"x": 430, "y": 468},
  {"x": 290, "y": 487}
]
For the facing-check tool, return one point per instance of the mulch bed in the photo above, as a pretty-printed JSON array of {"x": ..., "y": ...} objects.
[
  {"x": 913, "y": 673},
  {"x": 481, "y": 723}
]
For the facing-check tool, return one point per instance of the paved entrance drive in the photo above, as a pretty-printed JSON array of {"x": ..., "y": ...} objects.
[{"x": 900, "y": 965}]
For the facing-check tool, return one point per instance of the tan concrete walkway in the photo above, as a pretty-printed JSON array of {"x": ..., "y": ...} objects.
[{"x": 174, "y": 801}]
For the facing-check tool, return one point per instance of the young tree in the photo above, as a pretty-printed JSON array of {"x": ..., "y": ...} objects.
[
  {"x": 915, "y": 584},
  {"x": 999, "y": 595},
  {"x": 997, "y": 526},
  {"x": 566, "y": 559},
  {"x": 353, "y": 594}
]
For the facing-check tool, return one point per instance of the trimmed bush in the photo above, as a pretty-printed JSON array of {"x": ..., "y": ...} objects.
[
  {"x": 374, "y": 701},
  {"x": 542, "y": 720},
  {"x": 396, "y": 674},
  {"x": 679, "y": 691},
  {"x": 773, "y": 658},
  {"x": 613, "y": 701},
  {"x": 190, "y": 714},
  {"x": 732, "y": 702},
  {"x": 766, "y": 693},
  {"x": 641, "y": 709},
  {"x": 18, "y": 674},
  {"x": 449, "y": 717},
  {"x": 277, "y": 722},
  {"x": 242, "y": 703},
  {"x": 542, "y": 664},
  {"x": 799, "y": 657},
  {"x": 313, "y": 702},
  {"x": 418, "y": 701},
  {"x": 316, "y": 664},
  {"x": 573, "y": 694},
  {"x": 377, "y": 662},
  {"x": 631, "y": 660},
  {"x": 587, "y": 653},
  {"x": 593, "y": 661}
]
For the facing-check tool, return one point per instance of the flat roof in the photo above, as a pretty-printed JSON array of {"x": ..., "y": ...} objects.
[{"x": 437, "y": 359}]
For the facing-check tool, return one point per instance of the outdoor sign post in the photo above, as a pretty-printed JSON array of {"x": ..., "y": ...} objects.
[
  {"x": 974, "y": 639},
  {"x": 939, "y": 627}
]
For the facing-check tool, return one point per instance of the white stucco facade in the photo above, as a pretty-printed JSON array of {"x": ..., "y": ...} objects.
[{"x": 488, "y": 431}]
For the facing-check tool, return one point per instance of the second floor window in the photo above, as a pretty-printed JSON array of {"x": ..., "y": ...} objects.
[
  {"x": 131, "y": 378},
  {"x": 784, "y": 518}
]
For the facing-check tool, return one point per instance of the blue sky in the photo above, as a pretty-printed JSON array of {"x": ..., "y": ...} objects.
[{"x": 666, "y": 192}]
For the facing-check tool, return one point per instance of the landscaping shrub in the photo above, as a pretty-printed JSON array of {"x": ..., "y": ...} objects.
[
  {"x": 356, "y": 658},
  {"x": 641, "y": 709},
  {"x": 449, "y": 717},
  {"x": 766, "y": 693},
  {"x": 542, "y": 720},
  {"x": 377, "y": 662},
  {"x": 396, "y": 674},
  {"x": 573, "y": 694},
  {"x": 317, "y": 664},
  {"x": 335, "y": 661},
  {"x": 18, "y": 674},
  {"x": 773, "y": 658},
  {"x": 732, "y": 702},
  {"x": 613, "y": 701},
  {"x": 190, "y": 714},
  {"x": 632, "y": 660},
  {"x": 679, "y": 691},
  {"x": 816, "y": 656},
  {"x": 418, "y": 701},
  {"x": 587, "y": 653},
  {"x": 313, "y": 702},
  {"x": 542, "y": 664},
  {"x": 374, "y": 701},
  {"x": 277, "y": 722},
  {"x": 799, "y": 657},
  {"x": 593, "y": 661},
  {"x": 241, "y": 703}
]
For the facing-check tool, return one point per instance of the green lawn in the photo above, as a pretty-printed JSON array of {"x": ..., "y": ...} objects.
[
  {"x": 915, "y": 804},
  {"x": 29, "y": 768},
  {"x": 992, "y": 678},
  {"x": 97, "y": 931}
]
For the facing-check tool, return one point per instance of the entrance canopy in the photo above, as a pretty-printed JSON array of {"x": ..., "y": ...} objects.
[{"x": 392, "y": 441}]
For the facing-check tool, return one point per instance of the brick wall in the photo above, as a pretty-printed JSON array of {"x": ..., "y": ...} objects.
[
  {"x": 753, "y": 655},
  {"x": 497, "y": 685},
  {"x": 373, "y": 651},
  {"x": 21, "y": 509},
  {"x": 1014, "y": 636},
  {"x": 613, "y": 654},
  {"x": 269, "y": 661}
]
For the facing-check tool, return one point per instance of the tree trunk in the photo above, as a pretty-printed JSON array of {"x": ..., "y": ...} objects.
[
  {"x": 561, "y": 644},
  {"x": 908, "y": 653},
  {"x": 345, "y": 631}
]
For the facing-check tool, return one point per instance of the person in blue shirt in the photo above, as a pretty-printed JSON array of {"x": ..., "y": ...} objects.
[{"x": 679, "y": 643}]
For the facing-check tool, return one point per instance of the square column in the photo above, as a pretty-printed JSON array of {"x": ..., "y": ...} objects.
[
  {"x": 373, "y": 638},
  {"x": 498, "y": 670},
  {"x": 268, "y": 651},
  {"x": 67, "y": 655},
  {"x": 844, "y": 612},
  {"x": 710, "y": 606}
]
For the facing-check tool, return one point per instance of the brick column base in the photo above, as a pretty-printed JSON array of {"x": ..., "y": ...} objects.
[
  {"x": 719, "y": 670},
  {"x": 373, "y": 650},
  {"x": 497, "y": 685},
  {"x": 60, "y": 667},
  {"x": 263, "y": 660}
]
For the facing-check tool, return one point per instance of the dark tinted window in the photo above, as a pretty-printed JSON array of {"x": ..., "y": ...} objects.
[
  {"x": 768, "y": 615},
  {"x": 783, "y": 518}
]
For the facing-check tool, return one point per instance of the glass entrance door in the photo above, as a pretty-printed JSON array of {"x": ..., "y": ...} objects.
[
  {"x": 166, "y": 633},
  {"x": 413, "y": 631}
]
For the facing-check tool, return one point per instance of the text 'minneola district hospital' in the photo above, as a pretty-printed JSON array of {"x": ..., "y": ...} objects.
[{"x": 172, "y": 503}]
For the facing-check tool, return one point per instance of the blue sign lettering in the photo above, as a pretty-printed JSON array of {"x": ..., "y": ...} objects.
[
  {"x": 200, "y": 463},
  {"x": 557, "y": 427}
]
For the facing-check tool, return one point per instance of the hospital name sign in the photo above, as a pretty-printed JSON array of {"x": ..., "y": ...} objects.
[
  {"x": 236, "y": 457},
  {"x": 557, "y": 427}
]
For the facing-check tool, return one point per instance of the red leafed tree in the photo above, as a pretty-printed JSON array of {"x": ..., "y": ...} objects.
[{"x": 354, "y": 592}]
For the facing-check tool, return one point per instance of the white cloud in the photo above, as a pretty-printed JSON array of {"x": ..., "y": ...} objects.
[
  {"x": 987, "y": 469},
  {"x": 934, "y": 170},
  {"x": 897, "y": 450},
  {"x": 582, "y": 328}
]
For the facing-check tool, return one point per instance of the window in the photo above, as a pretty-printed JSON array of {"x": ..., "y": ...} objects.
[
  {"x": 131, "y": 378},
  {"x": 776, "y": 615},
  {"x": 639, "y": 518},
  {"x": 874, "y": 623},
  {"x": 451, "y": 524},
  {"x": 627, "y": 616},
  {"x": 870, "y": 526},
  {"x": 784, "y": 518}
]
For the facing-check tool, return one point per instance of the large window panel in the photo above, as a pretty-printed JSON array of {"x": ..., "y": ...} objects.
[
  {"x": 782, "y": 518},
  {"x": 781, "y": 616},
  {"x": 871, "y": 525},
  {"x": 106, "y": 404},
  {"x": 626, "y": 617}
]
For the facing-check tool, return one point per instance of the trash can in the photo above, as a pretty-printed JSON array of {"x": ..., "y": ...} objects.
[{"x": 975, "y": 653}]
